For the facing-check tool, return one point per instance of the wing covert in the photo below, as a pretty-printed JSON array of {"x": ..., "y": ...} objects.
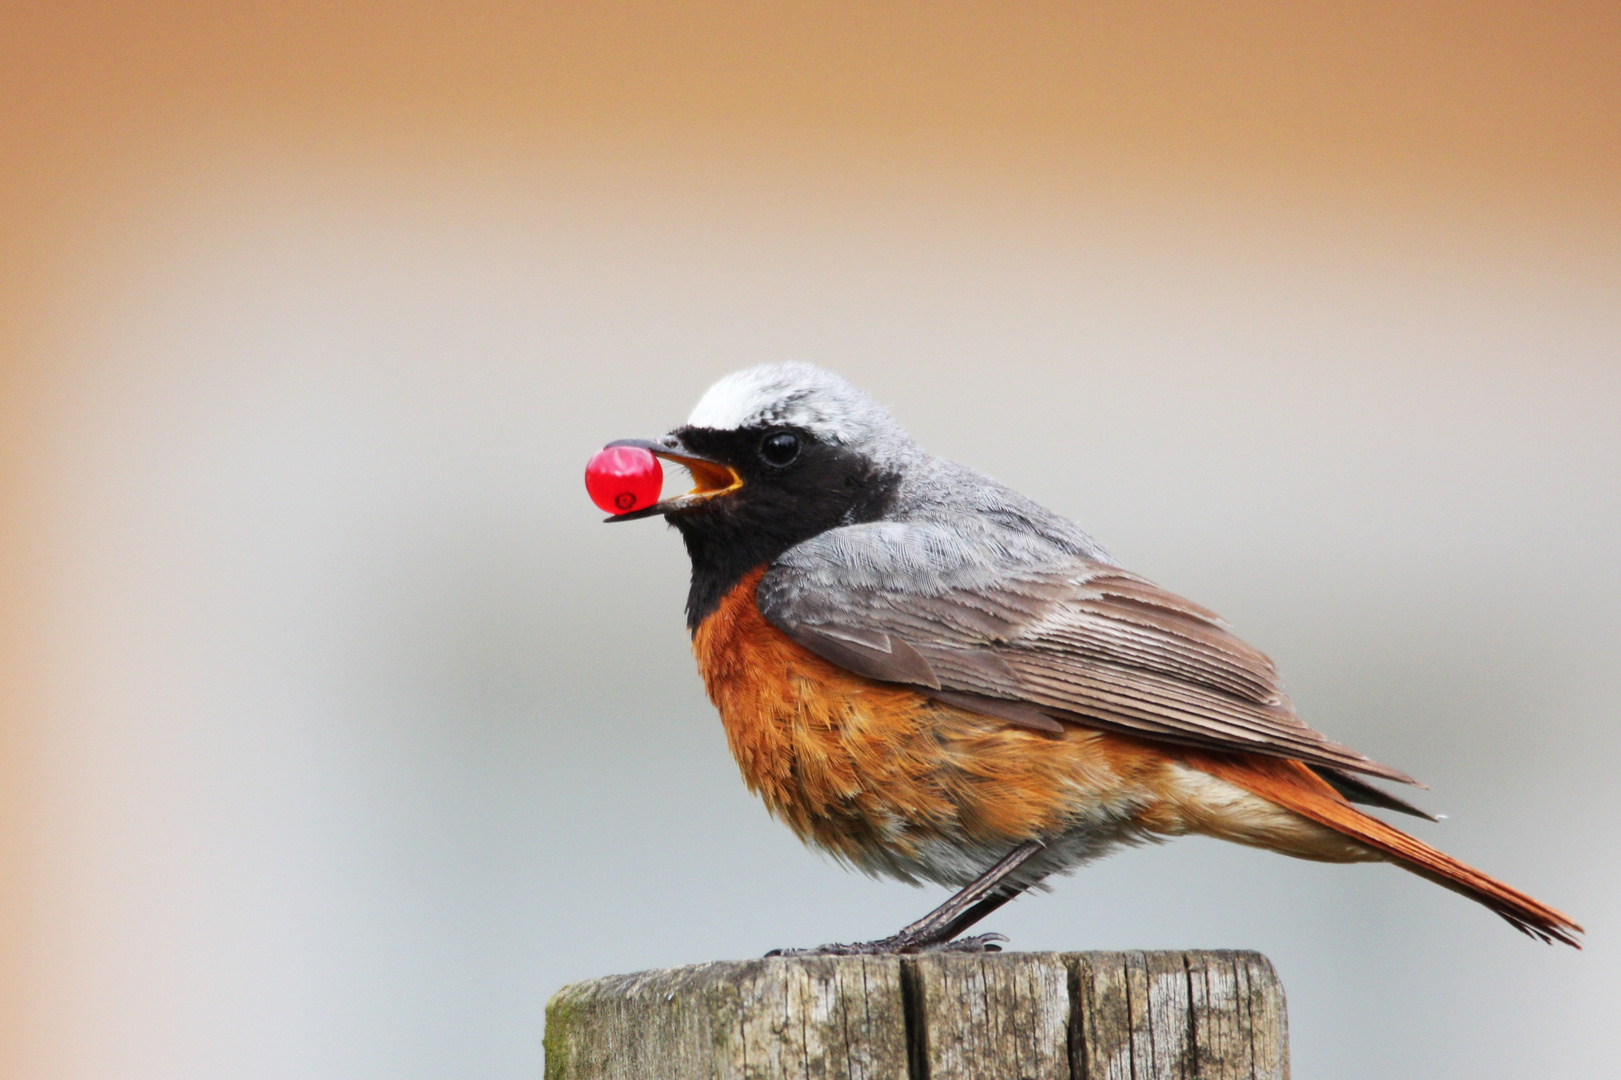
[{"x": 969, "y": 608}]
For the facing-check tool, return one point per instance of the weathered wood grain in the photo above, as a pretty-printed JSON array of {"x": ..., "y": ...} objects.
[
  {"x": 1175, "y": 1016},
  {"x": 1006, "y": 1016},
  {"x": 997, "y": 1016},
  {"x": 817, "y": 1018}
]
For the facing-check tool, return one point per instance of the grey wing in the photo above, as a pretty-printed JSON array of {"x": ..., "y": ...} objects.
[{"x": 969, "y": 610}]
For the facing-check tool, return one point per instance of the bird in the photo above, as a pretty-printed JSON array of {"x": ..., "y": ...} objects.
[{"x": 933, "y": 678}]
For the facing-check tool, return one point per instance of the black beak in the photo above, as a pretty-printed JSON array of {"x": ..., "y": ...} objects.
[{"x": 711, "y": 479}]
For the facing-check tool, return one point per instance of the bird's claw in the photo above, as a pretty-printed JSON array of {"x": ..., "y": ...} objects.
[
  {"x": 900, "y": 945},
  {"x": 979, "y": 943}
]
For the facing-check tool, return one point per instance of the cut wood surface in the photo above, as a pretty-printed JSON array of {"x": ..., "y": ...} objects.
[{"x": 998, "y": 1016}]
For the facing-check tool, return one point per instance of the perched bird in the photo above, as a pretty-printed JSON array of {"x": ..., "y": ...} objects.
[{"x": 933, "y": 678}]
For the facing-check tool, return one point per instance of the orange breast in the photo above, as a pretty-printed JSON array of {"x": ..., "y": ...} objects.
[{"x": 872, "y": 771}]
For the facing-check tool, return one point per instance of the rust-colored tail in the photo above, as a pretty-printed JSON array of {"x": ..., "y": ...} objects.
[{"x": 1291, "y": 784}]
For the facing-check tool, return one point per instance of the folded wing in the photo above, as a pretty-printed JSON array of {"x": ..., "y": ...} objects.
[{"x": 966, "y": 608}]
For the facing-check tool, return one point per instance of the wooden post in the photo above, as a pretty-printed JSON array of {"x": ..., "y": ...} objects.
[{"x": 998, "y": 1016}]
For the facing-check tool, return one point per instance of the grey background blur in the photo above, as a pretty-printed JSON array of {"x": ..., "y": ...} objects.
[{"x": 366, "y": 735}]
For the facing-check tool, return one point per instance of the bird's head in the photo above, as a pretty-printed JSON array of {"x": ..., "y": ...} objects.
[{"x": 778, "y": 454}]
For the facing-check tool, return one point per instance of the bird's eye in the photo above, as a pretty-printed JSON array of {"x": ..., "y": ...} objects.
[{"x": 780, "y": 448}]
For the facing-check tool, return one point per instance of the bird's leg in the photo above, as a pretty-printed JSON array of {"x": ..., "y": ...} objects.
[{"x": 936, "y": 931}]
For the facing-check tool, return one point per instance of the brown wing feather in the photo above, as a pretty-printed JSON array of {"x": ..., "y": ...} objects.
[{"x": 1090, "y": 643}]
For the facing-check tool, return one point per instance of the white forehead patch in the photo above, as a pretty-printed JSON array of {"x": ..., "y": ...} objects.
[
  {"x": 791, "y": 394},
  {"x": 739, "y": 399}
]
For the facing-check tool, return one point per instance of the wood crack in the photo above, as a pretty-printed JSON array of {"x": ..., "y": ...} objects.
[{"x": 915, "y": 1019}]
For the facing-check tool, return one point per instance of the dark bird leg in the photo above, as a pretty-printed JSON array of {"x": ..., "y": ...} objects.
[{"x": 936, "y": 931}]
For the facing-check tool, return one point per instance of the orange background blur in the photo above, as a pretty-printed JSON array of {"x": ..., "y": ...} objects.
[{"x": 337, "y": 734}]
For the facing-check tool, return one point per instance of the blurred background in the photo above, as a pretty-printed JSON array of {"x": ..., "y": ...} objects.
[{"x": 337, "y": 732}]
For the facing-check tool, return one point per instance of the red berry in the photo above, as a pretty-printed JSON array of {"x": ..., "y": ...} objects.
[{"x": 620, "y": 479}]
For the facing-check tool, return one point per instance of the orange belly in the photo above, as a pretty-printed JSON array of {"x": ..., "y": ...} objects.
[
  {"x": 892, "y": 781},
  {"x": 877, "y": 773}
]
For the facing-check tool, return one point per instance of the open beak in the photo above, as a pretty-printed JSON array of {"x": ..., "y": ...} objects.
[{"x": 710, "y": 479}]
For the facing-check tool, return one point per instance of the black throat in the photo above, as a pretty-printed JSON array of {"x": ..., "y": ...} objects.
[{"x": 825, "y": 487}]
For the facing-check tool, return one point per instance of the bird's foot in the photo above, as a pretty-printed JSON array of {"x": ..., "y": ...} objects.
[{"x": 901, "y": 944}]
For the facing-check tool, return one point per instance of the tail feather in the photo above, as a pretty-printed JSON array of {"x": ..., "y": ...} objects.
[{"x": 1295, "y": 787}]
